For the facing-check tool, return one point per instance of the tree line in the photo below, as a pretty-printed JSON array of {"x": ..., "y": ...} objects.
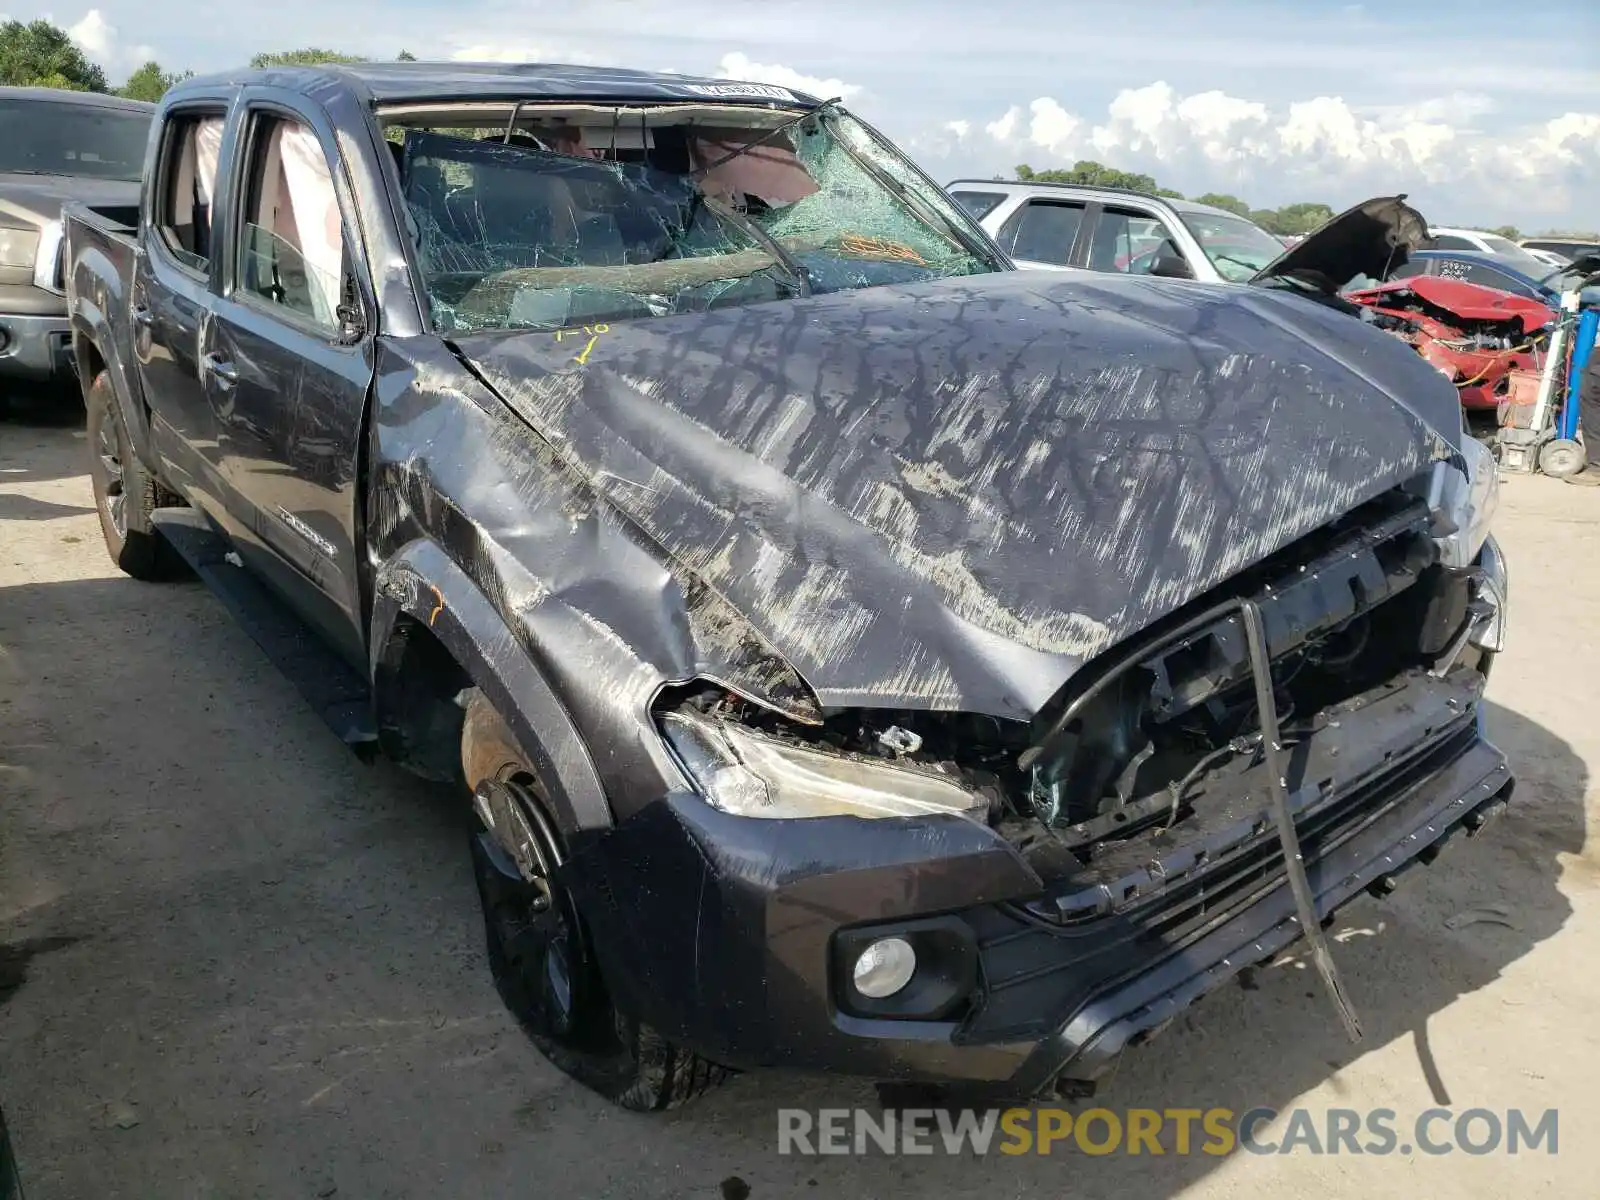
[{"x": 41, "y": 54}]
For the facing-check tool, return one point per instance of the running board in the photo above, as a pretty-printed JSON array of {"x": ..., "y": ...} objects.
[{"x": 339, "y": 696}]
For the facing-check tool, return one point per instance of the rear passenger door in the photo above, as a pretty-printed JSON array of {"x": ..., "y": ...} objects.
[
  {"x": 171, "y": 295},
  {"x": 289, "y": 362},
  {"x": 1043, "y": 233}
]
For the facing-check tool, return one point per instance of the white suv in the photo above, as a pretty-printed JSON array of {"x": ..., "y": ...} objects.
[{"x": 1061, "y": 226}]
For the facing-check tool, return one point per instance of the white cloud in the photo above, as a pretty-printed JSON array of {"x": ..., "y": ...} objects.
[
  {"x": 1317, "y": 148},
  {"x": 522, "y": 52},
  {"x": 738, "y": 66},
  {"x": 99, "y": 40}
]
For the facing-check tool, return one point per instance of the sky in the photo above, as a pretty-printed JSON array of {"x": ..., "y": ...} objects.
[{"x": 1484, "y": 113}]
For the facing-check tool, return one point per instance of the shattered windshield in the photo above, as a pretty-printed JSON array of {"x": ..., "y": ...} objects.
[
  {"x": 546, "y": 231},
  {"x": 1236, "y": 247}
]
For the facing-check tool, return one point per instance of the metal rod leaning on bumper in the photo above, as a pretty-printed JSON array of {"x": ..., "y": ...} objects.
[{"x": 1294, "y": 864}]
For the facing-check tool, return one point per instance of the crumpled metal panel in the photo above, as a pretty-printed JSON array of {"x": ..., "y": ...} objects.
[{"x": 951, "y": 495}]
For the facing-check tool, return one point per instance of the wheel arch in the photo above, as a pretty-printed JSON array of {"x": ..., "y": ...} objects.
[
  {"x": 434, "y": 634},
  {"x": 94, "y": 349}
]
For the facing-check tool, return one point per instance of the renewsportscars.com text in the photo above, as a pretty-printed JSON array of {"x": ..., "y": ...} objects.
[{"x": 1177, "y": 1131}]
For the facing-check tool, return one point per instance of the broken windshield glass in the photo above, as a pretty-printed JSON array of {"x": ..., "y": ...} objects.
[{"x": 527, "y": 236}]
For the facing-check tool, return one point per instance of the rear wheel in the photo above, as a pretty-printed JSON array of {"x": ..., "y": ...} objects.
[
  {"x": 541, "y": 954},
  {"x": 124, "y": 492}
]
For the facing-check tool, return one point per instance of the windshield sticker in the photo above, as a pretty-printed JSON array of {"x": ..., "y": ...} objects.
[{"x": 765, "y": 91}]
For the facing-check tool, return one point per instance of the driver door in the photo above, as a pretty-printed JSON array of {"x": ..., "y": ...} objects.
[{"x": 288, "y": 365}]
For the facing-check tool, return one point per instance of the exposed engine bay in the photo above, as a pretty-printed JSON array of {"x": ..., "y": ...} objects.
[
  {"x": 1136, "y": 748},
  {"x": 1486, "y": 342}
]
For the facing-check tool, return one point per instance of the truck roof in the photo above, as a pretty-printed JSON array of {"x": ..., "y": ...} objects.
[
  {"x": 417, "y": 82},
  {"x": 77, "y": 99}
]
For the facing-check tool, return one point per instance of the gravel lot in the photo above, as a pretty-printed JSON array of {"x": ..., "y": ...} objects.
[{"x": 235, "y": 962}]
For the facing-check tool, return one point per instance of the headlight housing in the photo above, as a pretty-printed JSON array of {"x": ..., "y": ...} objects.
[
  {"x": 47, "y": 258},
  {"x": 18, "y": 247},
  {"x": 749, "y": 774},
  {"x": 1463, "y": 504}
]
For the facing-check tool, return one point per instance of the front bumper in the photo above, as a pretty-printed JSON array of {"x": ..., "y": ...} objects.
[
  {"x": 720, "y": 930},
  {"x": 37, "y": 348}
]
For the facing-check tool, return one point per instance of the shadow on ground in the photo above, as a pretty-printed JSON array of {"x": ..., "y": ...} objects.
[
  {"x": 32, "y": 448},
  {"x": 267, "y": 958}
]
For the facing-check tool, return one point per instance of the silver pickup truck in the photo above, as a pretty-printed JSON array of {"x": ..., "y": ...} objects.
[{"x": 55, "y": 146}]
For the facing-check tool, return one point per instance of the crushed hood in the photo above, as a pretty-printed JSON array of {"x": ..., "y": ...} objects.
[
  {"x": 1371, "y": 239},
  {"x": 951, "y": 495}
]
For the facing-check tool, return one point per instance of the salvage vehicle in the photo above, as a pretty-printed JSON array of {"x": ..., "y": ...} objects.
[
  {"x": 55, "y": 145},
  {"x": 1500, "y": 273},
  {"x": 1488, "y": 343},
  {"x": 862, "y": 656},
  {"x": 1567, "y": 248},
  {"x": 1056, "y": 226}
]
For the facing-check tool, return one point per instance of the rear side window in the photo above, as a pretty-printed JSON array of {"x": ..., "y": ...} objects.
[
  {"x": 1043, "y": 231},
  {"x": 979, "y": 204},
  {"x": 1451, "y": 242},
  {"x": 187, "y": 187},
  {"x": 292, "y": 247},
  {"x": 1485, "y": 276}
]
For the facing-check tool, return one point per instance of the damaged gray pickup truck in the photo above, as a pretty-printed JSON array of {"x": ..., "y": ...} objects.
[{"x": 863, "y": 656}]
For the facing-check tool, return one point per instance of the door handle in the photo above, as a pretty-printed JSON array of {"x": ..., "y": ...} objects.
[{"x": 221, "y": 369}]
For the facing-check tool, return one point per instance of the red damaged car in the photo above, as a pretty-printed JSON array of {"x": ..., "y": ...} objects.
[{"x": 1484, "y": 340}]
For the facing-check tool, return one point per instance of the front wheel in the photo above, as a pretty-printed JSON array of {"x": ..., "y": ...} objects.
[
  {"x": 545, "y": 969},
  {"x": 124, "y": 492}
]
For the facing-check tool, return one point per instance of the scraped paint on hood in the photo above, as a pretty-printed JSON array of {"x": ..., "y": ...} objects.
[{"x": 952, "y": 495}]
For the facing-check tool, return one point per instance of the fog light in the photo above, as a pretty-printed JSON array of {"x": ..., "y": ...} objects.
[{"x": 884, "y": 968}]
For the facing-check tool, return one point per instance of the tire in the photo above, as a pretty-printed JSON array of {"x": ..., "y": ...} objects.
[
  {"x": 124, "y": 492},
  {"x": 1561, "y": 458},
  {"x": 548, "y": 976}
]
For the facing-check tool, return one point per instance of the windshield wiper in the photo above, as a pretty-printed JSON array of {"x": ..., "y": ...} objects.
[
  {"x": 791, "y": 266},
  {"x": 1222, "y": 258}
]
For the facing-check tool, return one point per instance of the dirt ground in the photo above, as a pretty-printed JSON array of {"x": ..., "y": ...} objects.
[{"x": 235, "y": 962}]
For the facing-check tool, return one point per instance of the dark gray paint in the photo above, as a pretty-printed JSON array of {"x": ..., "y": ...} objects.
[{"x": 951, "y": 495}]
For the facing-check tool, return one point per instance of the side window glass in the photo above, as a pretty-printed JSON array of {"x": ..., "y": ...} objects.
[
  {"x": 1043, "y": 231},
  {"x": 979, "y": 204},
  {"x": 291, "y": 245},
  {"x": 1489, "y": 277},
  {"x": 187, "y": 189},
  {"x": 1448, "y": 242},
  {"x": 1130, "y": 242}
]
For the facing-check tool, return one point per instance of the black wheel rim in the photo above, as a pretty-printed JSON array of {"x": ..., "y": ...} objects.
[
  {"x": 108, "y": 458},
  {"x": 536, "y": 941}
]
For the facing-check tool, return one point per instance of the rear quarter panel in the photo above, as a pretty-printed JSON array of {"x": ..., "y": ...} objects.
[{"x": 100, "y": 260}]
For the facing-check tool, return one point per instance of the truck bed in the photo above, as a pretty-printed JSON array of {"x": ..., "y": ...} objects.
[{"x": 99, "y": 244}]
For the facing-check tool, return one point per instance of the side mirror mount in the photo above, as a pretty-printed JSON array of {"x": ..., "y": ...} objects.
[
  {"x": 1172, "y": 266},
  {"x": 352, "y": 324}
]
